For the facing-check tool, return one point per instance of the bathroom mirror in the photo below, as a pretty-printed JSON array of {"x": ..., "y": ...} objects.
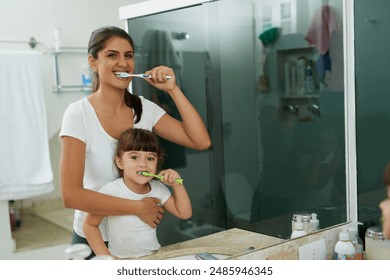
[{"x": 273, "y": 104}]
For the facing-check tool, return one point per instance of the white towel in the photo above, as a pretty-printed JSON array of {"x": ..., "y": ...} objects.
[{"x": 25, "y": 168}]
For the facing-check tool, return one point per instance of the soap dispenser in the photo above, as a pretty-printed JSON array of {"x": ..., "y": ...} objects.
[
  {"x": 356, "y": 240},
  {"x": 298, "y": 231},
  {"x": 314, "y": 223},
  {"x": 344, "y": 249}
]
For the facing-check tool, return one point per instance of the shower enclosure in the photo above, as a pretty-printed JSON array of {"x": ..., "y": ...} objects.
[{"x": 266, "y": 130}]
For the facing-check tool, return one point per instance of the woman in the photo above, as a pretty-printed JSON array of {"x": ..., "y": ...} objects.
[{"x": 92, "y": 125}]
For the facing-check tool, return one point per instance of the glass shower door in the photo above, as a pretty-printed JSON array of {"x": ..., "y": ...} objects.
[{"x": 177, "y": 39}]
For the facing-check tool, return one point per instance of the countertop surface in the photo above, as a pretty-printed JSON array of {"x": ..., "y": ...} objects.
[{"x": 229, "y": 242}]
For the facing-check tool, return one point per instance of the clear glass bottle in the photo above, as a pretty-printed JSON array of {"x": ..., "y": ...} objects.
[
  {"x": 356, "y": 240},
  {"x": 377, "y": 246},
  {"x": 309, "y": 78}
]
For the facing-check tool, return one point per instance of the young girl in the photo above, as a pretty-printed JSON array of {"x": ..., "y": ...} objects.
[{"x": 138, "y": 150}]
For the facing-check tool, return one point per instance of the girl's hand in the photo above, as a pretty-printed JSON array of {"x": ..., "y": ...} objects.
[
  {"x": 159, "y": 78},
  {"x": 170, "y": 176}
]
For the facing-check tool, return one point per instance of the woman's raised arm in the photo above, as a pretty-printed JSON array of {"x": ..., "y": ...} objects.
[{"x": 191, "y": 132}]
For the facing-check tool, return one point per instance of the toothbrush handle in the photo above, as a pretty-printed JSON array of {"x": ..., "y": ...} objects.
[
  {"x": 149, "y": 76},
  {"x": 178, "y": 180}
]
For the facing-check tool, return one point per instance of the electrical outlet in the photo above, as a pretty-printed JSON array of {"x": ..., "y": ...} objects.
[{"x": 313, "y": 251}]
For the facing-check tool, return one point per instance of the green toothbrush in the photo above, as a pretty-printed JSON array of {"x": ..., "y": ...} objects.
[{"x": 147, "y": 174}]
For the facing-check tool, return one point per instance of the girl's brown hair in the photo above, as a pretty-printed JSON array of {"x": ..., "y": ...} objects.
[
  {"x": 136, "y": 139},
  {"x": 97, "y": 42}
]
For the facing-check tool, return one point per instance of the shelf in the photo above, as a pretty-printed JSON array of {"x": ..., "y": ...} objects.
[
  {"x": 70, "y": 88},
  {"x": 69, "y": 50},
  {"x": 312, "y": 96},
  {"x": 58, "y": 87}
]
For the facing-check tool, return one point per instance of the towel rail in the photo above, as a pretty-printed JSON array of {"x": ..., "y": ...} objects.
[{"x": 32, "y": 43}]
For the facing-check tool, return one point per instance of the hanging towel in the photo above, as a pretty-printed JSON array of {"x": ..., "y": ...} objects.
[
  {"x": 321, "y": 28},
  {"x": 25, "y": 168}
]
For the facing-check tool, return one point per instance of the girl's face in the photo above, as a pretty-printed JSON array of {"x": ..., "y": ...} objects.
[
  {"x": 116, "y": 56},
  {"x": 132, "y": 162}
]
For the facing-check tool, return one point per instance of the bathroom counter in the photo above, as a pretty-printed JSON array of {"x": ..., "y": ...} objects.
[{"x": 229, "y": 242}]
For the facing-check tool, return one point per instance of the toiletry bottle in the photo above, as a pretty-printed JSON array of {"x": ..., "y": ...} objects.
[
  {"x": 314, "y": 223},
  {"x": 344, "y": 249},
  {"x": 356, "y": 240},
  {"x": 309, "y": 78},
  {"x": 86, "y": 79},
  {"x": 299, "y": 230},
  {"x": 57, "y": 39},
  {"x": 305, "y": 220}
]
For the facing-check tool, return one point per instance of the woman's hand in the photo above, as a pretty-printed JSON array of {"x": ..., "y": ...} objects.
[
  {"x": 159, "y": 78},
  {"x": 150, "y": 211}
]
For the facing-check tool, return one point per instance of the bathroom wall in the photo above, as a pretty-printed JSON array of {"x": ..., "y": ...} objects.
[{"x": 23, "y": 19}]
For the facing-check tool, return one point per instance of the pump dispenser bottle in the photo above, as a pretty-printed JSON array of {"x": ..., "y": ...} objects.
[
  {"x": 344, "y": 249},
  {"x": 314, "y": 223},
  {"x": 298, "y": 231}
]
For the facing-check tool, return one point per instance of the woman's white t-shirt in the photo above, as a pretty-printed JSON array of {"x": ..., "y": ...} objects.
[
  {"x": 80, "y": 121},
  {"x": 128, "y": 235}
]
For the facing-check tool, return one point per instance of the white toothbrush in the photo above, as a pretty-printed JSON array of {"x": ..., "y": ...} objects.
[{"x": 126, "y": 75}]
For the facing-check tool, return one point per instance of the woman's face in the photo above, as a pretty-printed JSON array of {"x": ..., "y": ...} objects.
[{"x": 116, "y": 56}]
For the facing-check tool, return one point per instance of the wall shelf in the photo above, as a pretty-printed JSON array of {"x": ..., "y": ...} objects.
[
  {"x": 312, "y": 96},
  {"x": 58, "y": 87}
]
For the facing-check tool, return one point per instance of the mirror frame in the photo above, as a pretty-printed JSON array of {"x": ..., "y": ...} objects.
[{"x": 143, "y": 9}]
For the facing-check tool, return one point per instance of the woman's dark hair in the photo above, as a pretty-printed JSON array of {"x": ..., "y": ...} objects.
[
  {"x": 136, "y": 139},
  {"x": 97, "y": 42}
]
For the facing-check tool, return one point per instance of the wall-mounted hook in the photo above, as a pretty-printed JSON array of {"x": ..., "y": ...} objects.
[
  {"x": 32, "y": 42},
  {"x": 314, "y": 109},
  {"x": 291, "y": 108}
]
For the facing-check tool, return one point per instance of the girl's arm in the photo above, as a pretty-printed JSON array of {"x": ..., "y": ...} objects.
[
  {"x": 94, "y": 236},
  {"x": 179, "y": 203},
  {"x": 191, "y": 131},
  {"x": 75, "y": 196}
]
